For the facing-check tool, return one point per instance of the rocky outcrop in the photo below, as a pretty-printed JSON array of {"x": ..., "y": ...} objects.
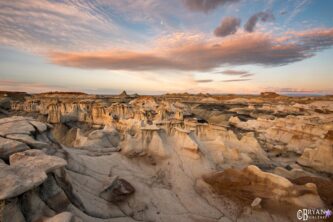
[
  {"x": 9, "y": 147},
  {"x": 292, "y": 133},
  {"x": 251, "y": 183},
  {"x": 320, "y": 158},
  {"x": 187, "y": 142},
  {"x": 142, "y": 158},
  {"x": 27, "y": 170}
]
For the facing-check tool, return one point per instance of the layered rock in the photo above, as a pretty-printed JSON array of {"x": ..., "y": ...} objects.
[
  {"x": 320, "y": 158},
  {"x": 27, "y": 170},
  {"x": 251, "y": 182},
  {"x": 143, "y": 158},
  {"x": 9, "y": 147}
]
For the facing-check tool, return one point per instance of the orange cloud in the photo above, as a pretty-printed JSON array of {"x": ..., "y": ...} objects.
[{"x": 243, "y": 48}]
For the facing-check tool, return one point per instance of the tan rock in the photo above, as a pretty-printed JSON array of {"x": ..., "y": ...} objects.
[
  {"x": 320, "y": 158},
  {"x": 251, "y": 182}
]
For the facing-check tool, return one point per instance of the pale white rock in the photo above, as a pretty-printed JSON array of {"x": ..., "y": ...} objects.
[{"x": 256, "y": 202}]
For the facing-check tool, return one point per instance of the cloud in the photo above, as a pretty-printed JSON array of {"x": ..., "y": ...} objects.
[
  {"x": 234, "y": 72},
  {"x": 240, "y": 73},
  {"x": 289, "y": 90},
  {"x": 247, "y": 75},
  {"x": 296, "y": 8},
  {"x": 236, "y": 80},
  {"x": 30, "y": 87},
  {"x": 260, "y": 16},
  {"x": 203, "y": 80},
  {"x": 228, "y": 26},
  {"x": 118, "y": 60},
  {"x": 239, "y": 49},
  {"x": 206, "y": 5},
  {"x": 283, "y": 12},
  {"x": 38, "y": 26}
]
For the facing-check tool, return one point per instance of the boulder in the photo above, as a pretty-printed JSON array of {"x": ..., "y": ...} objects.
[
  {"x": 9, "y": 147},
  {"x": 26, "y": 170},
  {"x": 118, "y": 190},
  {"x": 16, "y": 124}
]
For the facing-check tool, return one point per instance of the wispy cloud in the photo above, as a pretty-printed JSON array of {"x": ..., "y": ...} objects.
[
  {"x": 289, "y": 90},
  {"x": 204, "y": 80},
  {"x": 40, "y": 25},
  {"x": 233, "y": 72},
  {"x": 297, "y": 7},
  {"x": 238, "y": 73},
  {"x": 247, "y": 75},
  {"x": 236, "y": 80}
]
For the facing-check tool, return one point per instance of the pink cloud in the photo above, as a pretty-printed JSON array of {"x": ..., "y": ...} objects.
[{"x": 243, "y": 48}]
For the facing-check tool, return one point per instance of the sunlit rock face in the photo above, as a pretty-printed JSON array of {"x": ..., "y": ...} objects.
[{"x": 175, "y": 157}]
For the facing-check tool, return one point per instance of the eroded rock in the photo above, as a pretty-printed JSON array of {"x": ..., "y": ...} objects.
[
  {"x": 26, "y": 170},
  {"x": 251, "y": 182},
  {"x": 9, "y": 147},
  {"x": 118, "y": 190}
]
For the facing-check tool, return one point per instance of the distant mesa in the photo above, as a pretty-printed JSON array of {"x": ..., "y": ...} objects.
[
  {"x": 62, "y": 93},
  {"x": 12, "y": 93},
  {"x": 269, "y": 94}
]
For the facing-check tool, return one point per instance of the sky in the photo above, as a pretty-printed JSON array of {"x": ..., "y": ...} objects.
[{"x": 158, "y": 46}]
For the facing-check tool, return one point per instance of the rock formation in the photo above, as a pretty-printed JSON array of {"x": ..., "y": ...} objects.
[{"x": 175, "y": 157}]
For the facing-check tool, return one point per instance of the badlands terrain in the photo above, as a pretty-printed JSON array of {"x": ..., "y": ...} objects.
[{"x": 175, "y": 157}]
